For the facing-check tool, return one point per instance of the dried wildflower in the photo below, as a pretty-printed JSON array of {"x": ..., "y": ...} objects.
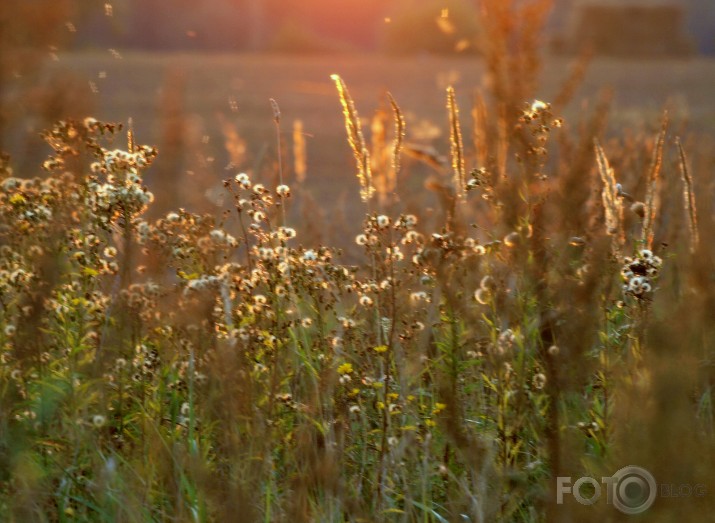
[
  {"x": 539, "y": 381},
  {"x": 218, "y": 235},
  {"x": 411, "y": 237},
  {"x": 419, "y": 296},
  {"x": 382, "y": 221},
  {"x": 512, "y": 239},
  {"x": 638, "y": 208},
  {"x": 347, "y": 323},
  {"x": 283, "y": 191},
  {"x": 286, "y": 233},
  {"x": 638, "y": 272},
  {"x": 537, "y": 107},
  {"x": 394, "y": 254},
  {"x": 260, "y": 299},
  {"x": 638, "y": 286},
  {"x": 482, "y": 296},
  {"x": 488, "y": 283},
  {"x": 505, "y": 342}
]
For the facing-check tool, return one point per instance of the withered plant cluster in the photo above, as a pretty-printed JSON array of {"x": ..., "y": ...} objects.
[{"x": 556, "y": 321}]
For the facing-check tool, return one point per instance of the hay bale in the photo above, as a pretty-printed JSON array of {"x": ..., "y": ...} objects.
[{"x": 634, "y": 30}]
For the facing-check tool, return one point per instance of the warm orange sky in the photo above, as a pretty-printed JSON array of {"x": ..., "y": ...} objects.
[
  {"x": 350, "y": 18},
  {"x": 328, "y": 8}
]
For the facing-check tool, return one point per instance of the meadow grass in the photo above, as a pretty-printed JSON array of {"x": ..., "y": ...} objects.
[{"x": 552, "y": 317}]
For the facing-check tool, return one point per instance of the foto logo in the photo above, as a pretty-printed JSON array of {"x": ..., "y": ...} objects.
[{"x": 632, "y": 490}]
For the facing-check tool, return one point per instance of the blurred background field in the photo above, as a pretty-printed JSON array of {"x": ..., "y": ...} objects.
[
  {"x": 195, "y": 78},
  {"x": 210, "y": 116},
  {"x": 552, "y": 263}
]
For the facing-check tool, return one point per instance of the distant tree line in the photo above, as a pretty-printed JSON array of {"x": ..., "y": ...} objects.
[
  {"x": 228, "y": 24},
  {"x": 238, "y": 25}
]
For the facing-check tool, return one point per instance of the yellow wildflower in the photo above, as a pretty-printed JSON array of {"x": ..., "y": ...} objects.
[{"x": 345, "y": 368}]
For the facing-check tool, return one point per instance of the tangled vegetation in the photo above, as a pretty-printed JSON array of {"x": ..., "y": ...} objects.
[
  {"x": 193, "y": 366},
  {"x": 552, "y": 318}
]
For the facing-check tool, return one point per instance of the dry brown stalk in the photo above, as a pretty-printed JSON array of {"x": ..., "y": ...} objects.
[
  {"x": 651, "y": 201},
  {"x": 688, "y": 197}
]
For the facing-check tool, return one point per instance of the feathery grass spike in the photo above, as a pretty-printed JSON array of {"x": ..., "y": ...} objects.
[
  {"x": 651, "y": 201},
  {"x": 479, "y": 134},
  {"x": 356, "y": 139},
  {"x": 611, "y": 201},
  {"x": 130, "y": 136},
  {"x": 456, "y": 145},
  {"x": 378, "y": 150},
  {"x": 399, "y": 134},
  {"x": 300, "y": 164},
  {"x": 276, "y": 111},
  {"x": 688, "y": 197}
]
